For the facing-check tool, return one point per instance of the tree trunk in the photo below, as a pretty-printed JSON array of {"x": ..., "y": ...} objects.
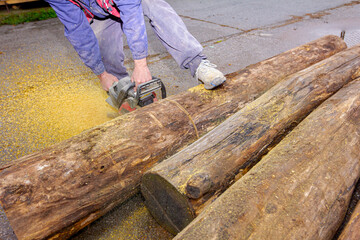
[
  {"x": 58, "y": 191},
  {"x": 301, "y": 189},
  {"x": 352, "y": 228},
  {"x": 177, "y": 189}
]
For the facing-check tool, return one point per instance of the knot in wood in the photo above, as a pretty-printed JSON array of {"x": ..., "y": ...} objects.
[{"x": 198, "y": 185}]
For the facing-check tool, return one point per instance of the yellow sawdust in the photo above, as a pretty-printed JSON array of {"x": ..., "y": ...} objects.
[{"x": 42, "y": 104}]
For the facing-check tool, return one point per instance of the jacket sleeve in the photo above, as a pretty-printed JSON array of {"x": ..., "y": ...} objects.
[
  {"x": 79, "y": 33},
  {"x": 131, "y": 14}
]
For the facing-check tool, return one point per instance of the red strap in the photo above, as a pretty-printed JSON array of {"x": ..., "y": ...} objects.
[
  {"x": 88, "y": 14},
  {"x": 104, "y": 4},
  {"x": 109, "y": 7}
]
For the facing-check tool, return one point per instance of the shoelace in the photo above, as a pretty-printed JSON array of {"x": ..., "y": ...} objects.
[{"x": 206, "y": 63}]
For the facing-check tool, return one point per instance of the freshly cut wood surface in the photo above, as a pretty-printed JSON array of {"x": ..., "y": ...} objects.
[
  {"x": 56, "y": 192},
  {"x": 352, "y": 228},
  {"x": 178, "y": 188},
  {"x": 301, "y": 189}
]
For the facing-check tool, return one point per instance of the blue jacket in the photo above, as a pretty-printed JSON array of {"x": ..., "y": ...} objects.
[{"x": 81, "y": 36}]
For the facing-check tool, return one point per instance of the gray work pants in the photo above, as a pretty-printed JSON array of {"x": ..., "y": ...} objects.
[{"x": 167, "y": 25}]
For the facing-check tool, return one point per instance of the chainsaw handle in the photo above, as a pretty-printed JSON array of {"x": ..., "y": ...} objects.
[
  {"x": 154, "y": 79},
  {"x": 163, "y": 90}
]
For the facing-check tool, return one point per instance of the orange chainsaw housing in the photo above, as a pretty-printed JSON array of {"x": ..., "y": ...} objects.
[{"x": 125, "y": 107}]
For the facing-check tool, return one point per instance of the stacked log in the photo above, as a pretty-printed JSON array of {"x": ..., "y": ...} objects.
[
  {"x": 56, "y": 192},
  {"x": 352, "y": 228},
  {"x": 301, "y": 189},
  {"x": 177, "y": 189}
]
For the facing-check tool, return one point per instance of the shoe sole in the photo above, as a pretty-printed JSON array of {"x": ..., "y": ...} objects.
[{"x": 215, "y": 83}]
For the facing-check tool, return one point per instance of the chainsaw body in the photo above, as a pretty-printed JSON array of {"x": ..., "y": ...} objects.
[{"x": 123, "y": 97}]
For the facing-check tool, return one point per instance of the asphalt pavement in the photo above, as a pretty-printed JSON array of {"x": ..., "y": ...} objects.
[{"x": 47, "y": 94}]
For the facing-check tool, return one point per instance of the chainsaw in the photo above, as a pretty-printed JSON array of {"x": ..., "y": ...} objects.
[{"x": 123, "y": 97}]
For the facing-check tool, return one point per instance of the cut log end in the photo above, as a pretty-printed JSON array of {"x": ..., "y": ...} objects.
[{"x": 170, "y": 208}]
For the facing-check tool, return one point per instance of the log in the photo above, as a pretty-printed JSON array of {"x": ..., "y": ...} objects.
[
  {"x": 352, "y": 228},
  {"x": 10, "y": 2},
  {"x": 56, "y": 192},
  {"x": 301, "y": 189},
  {"x": 177, "y": 189}
]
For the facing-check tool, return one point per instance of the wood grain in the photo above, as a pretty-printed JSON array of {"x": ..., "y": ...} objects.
[
  {"x": 56, "y": 192},
  {"x": 301, "y": 189},
  {"x": 177, "y": 189}
]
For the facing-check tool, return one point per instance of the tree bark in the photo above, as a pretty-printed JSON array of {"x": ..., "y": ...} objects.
[
  {"x": 301, "y": 189},
  {"x": 58, "y": 191},
  {"x": 177, "y": 189},
  {"x": 352, "y": 228}
]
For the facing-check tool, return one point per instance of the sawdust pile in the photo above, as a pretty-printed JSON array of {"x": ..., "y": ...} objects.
[
  {"x": 47, "y": 95},
  {"x": 44, "y": 102}
]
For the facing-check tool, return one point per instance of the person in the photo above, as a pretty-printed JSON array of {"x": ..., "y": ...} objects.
[{"x": 95, "y": 29}]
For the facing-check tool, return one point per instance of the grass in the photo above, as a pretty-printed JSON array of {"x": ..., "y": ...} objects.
[{"x": 22, "y": 16}]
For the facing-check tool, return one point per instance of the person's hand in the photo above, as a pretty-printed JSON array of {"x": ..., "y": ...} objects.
[
  {"x": 141, "y": 72},
  {"x": 107, "y": 80}
]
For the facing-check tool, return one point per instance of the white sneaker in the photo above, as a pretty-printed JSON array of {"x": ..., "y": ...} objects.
[{"x": 209, "y": 75}]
